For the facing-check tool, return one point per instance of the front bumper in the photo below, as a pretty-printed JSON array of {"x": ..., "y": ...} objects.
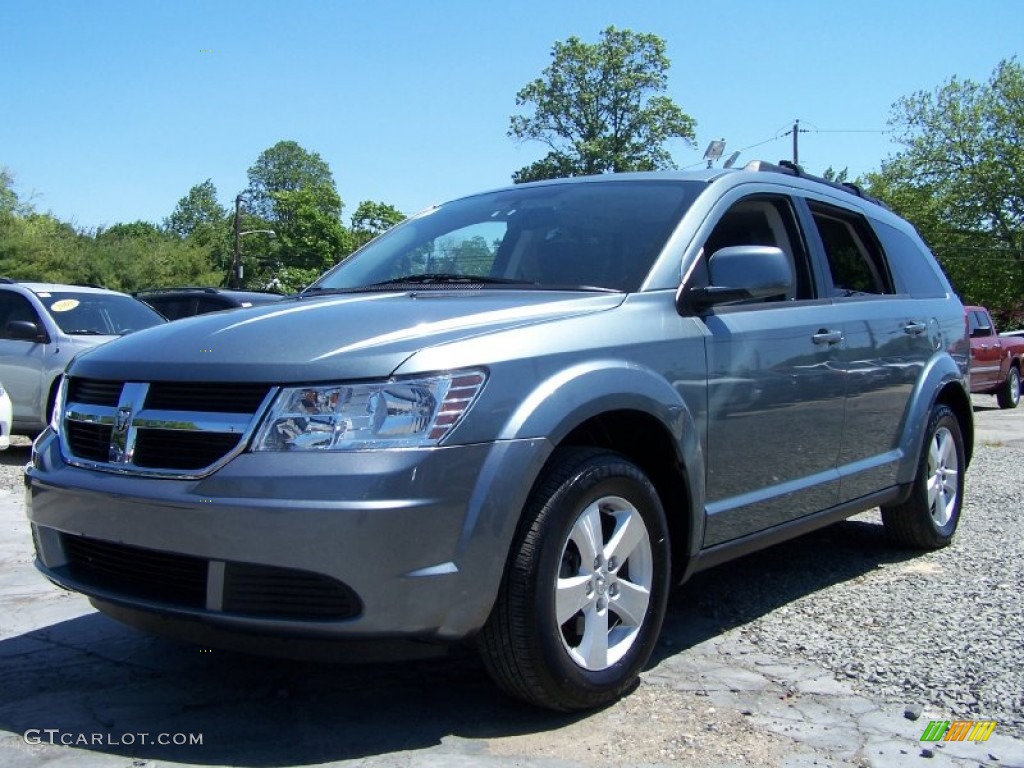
[{"x": 407, "y": 542}]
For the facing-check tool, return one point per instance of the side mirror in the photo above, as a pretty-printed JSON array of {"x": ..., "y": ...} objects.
[
  {"x": 26, "y": 330},
  {"x": 740, "y": 273}
]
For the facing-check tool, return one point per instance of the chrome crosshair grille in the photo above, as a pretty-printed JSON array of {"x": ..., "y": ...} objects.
[{"x": 167, "y": 429}]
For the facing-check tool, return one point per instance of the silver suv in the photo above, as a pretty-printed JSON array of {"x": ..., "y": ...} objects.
[
  {"x": 43, "y": 326},
  {"x": 518, "y": 419}
]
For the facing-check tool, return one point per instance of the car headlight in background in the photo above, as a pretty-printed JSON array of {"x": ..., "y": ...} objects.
[
  {"x": 400, "y": 413},
  {"x": 58, "y": 405}
]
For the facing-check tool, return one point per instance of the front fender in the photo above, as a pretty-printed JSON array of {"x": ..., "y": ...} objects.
[{"x": 558, "y": 405}]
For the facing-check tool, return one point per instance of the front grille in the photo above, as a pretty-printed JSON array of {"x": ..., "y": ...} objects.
[
  {"x": 89, "y": 441},
  {"x": 94, "y": 391},
  {"x": 284, "y": 593},
  {"x": 132, "y": 571},
  {"x": 161, "y": 428},
  {"x": 205, "y": 398},
  {"x": 257, "y": 591},
  {"x": 174, "y": 449}
]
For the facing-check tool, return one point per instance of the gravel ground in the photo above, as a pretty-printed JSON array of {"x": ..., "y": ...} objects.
[{"x": 941, "y": 630}]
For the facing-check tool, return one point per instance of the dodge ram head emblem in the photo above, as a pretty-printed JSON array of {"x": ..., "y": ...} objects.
[
  {"x": 118, "y": 452},
  {"x": 124, "y": 418}
]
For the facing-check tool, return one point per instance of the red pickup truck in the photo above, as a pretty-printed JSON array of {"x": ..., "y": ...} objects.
[{"x": 996, "y": 360}]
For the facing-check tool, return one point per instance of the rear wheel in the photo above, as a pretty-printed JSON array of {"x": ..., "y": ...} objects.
[
  {"x": 584, "y": 594},
  {"x": 929, "y": 517},
  {"x": 1009, "y": 395}
]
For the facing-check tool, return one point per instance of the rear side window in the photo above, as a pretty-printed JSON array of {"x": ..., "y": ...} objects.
[
  {"x": 853, "y": 252},
  {"x": 980, "y": 326},
  {"x": 172, "y": 308},
  {"x": 914, "y": 270}
]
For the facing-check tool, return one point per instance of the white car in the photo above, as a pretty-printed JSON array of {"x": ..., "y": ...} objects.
[
  {"x": 43, "y": 326},
  {"x": 5, "y": 419}
]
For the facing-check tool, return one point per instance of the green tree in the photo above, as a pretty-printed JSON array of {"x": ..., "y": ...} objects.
[
  {"x": 958, "y": 177},
  {"x": 292, "y": 193},
  {"x": 196, "y": 211},
  {"x": 286, "y": 167},
  {"x": 10, "y": 203},
  {"x": 204, "y": 224},
  {"x": 138, "y": 255},
  {"x": 372, "y": 219},
  {"x": 839, "y": 177},
  {"x": 598, "y": 108}
]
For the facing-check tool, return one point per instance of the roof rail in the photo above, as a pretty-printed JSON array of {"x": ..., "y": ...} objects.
[
  {"x": 8, "y": 280},
  {"x": 792, "y": 169}
]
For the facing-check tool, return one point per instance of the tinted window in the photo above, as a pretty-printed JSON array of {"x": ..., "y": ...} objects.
[
  {"x": 14, "y": 307},
  {"x": 596, "y": 234},
  {"x": 172, "y": 308},
  {"x": 765, "y": 220},
  {"x": 913, "y": 269},
  {"x": 979, "y": 323},
  {"x": 854, "y": 256},
  {"x": 213, "y": 304}
]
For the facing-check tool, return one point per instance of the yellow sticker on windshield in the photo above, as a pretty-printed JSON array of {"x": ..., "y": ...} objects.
[{"x": 64, "y": 305}]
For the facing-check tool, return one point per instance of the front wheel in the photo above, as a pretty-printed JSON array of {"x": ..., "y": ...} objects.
[
  {"x": 584, "y": 593},
  {"x": 1009, "y": 395},
  {"x": 929, "y": 517}
]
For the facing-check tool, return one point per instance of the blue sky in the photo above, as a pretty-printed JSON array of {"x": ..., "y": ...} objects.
[{"x": 111, "y": 111}]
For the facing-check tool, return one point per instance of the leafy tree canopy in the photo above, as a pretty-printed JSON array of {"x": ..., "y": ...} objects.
[
  {"x": 10, "y": 203},
  {"x": 597, "y": 108},
  {"x": 372, "y": 219},
  {"x": 291, "y": 193},
  {"x": 960, "y": 178},
  {"x": 287, "y": 167},
  {"x": 198, "y": 208}
]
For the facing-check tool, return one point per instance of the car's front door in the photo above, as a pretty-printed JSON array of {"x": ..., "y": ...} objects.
[
  {"x": 21, "y": 360},
  {"x": 775, "y": 390}
]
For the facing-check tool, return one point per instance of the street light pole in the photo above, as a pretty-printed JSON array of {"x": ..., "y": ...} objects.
[
  {"x": 236, "y": 257},
  {"x": 235, "y": 280}
]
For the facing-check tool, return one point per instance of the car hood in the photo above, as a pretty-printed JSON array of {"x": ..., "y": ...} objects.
[{"x": 322, "y": 339}]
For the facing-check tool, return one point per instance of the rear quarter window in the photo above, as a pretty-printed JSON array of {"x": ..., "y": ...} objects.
[{"x": 914, "y": 269}]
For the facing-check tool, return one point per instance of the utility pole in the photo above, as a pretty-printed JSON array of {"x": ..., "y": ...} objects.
[
  {"x": 796, "y": 152},
  {"x": 236, "y": 256}
]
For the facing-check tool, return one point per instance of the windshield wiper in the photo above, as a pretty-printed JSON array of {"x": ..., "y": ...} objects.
[
  {"x": 442, "y": 278},
  {"x": 446, "y": 278},
  {"x": 430, "y": 278}
]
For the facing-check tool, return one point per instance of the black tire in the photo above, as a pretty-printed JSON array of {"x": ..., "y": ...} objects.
[
  {"x": 929, "y": 517},
  {"x": 556, "y": 664},
  {"x": 1009, "y": 395}
]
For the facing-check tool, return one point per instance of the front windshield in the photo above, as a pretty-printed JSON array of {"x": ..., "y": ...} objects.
[
  {"x": 98, "y": 314},
  {"x": 591, "y": 235}
]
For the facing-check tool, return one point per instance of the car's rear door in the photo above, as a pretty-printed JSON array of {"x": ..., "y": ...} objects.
[
  {"x": 889, "y": 337},
  {"x": 986, "y": 353}
]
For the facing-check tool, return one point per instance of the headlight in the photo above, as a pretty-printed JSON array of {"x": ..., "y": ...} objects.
[
  {"x": 58, "y": 405},
  {"x": 401, "y": 413}
]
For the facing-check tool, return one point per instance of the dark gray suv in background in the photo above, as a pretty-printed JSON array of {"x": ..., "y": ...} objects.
[
  {"x": 176, "y": 303},
  {"x": 519, "y": 418}
]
